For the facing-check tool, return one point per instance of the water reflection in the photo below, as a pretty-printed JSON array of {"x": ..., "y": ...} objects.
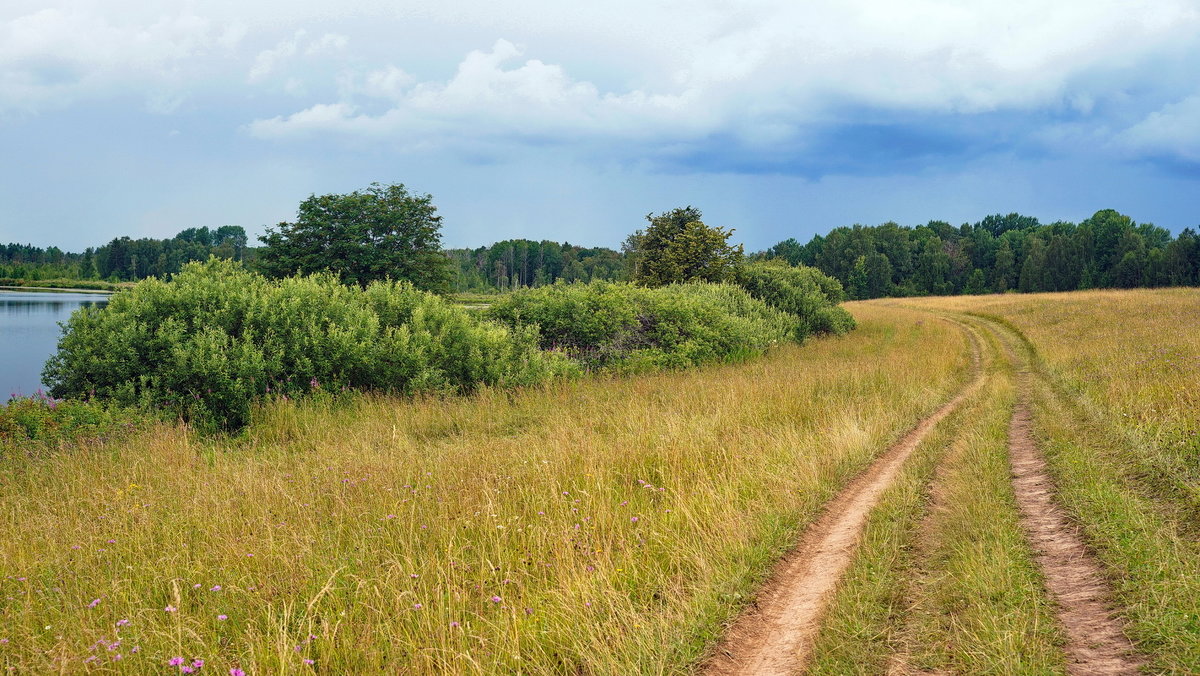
[{"x": 29, "y": 333}]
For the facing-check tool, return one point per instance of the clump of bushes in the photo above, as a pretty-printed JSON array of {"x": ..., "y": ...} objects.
[
  {"x": 613, "y": 324},
  {"x": 29, "y": 423},
  {"x": 217, "y": 338},
  {"x": 610, "y": 324},
  {"x": 807, "y": 293}
]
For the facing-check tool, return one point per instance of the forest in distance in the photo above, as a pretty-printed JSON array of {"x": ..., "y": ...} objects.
[{"x": 999, "y": 253}]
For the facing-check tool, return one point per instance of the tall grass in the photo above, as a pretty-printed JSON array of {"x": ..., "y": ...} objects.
[
  {"x": 1131, "y": 358},
  {"x": 944, "y": 580},
  {"x": 596, "y": 526},
  {"x": 1116, "y": 444}
]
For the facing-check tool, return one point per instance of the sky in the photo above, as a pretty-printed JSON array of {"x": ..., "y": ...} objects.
[{"x": 571, "y": 121}]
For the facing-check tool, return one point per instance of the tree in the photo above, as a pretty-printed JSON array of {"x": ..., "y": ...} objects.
[
  {"x": 976, "y": 284},
  {"x": 679, "y": 247},
  {"x": 384, "y": 232}
]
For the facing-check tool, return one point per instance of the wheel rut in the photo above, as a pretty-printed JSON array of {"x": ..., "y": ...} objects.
[
  {"x": 1096, "y": 641},
  {"x": 776, "y": 636}
]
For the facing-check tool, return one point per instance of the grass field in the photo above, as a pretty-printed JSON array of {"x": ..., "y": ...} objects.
[
  {"x": 603, "y": 526},
  {"x": 1114, "y": 409},
  {"x": 615, "y": 526}
]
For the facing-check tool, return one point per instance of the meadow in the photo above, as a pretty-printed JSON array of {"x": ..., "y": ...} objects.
[
  {"x": 618, "y": 524},
  {"x": 600, "y": 525}
]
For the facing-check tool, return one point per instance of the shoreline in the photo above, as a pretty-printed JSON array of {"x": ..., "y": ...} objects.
[{"x": 54, "y": 289}]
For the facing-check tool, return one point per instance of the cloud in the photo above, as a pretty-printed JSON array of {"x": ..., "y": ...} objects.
[
  {"x": 54, "y": 57},
  {"x": 484, "y": 98},
  {"x": 270, "y": 61},
  {"x": 770, "y": 83},
  {"x": 1171, "y": 132},
  {"x": 775, "y": 79}
]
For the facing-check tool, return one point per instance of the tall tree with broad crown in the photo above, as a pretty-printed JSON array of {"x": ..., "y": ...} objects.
[{"x": 383, "y": 232}]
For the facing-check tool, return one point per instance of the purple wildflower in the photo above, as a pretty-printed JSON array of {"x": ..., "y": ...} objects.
[{"x": 175, "y": 661}]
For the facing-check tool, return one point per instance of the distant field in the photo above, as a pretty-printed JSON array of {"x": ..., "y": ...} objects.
[
  {"x": 64, "y": 284},
  {"x": 1133, "y": 357},
  {"x": 619, "y": 525}
]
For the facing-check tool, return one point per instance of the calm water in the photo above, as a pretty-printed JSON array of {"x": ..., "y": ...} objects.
[{"x": 29, "y": 334}]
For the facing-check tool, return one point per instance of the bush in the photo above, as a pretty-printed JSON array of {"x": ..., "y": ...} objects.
[
  {"x": 217, "y": 338},
  {"x": 607, "y": 324},
  {"x": 29, "y": 423},
  {"x": 809, "y": 294}
]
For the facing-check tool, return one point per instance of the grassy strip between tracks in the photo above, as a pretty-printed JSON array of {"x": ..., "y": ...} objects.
[{"x": 945, "y": 579}]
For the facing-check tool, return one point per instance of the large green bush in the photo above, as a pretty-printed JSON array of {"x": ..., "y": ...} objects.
[
  {"x": 217, "y": 338},
  {"x": 606, "y": 324},
  {"x": 809, "y": 294}
]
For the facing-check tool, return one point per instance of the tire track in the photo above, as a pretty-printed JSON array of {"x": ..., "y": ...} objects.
[
  {"x": 1096, "y": 641},
  {"x": 776, "y": 636}
]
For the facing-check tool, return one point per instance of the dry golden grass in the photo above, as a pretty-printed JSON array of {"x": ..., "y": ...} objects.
[
  {"x": 603, "y": 526},
  {"x": 1115, "y": 411},
  {"x": 945, "y": 581},
  {"x": 1133, "y": 356}
]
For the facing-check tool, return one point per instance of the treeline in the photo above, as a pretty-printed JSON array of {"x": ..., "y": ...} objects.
[
  {"x": 124, "y": 258},
  {"x": 998, "y": 254},
  {"x": 518, "y": 263}
]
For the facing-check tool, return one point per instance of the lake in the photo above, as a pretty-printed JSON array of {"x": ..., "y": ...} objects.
[{"x": 29, "y": 334}]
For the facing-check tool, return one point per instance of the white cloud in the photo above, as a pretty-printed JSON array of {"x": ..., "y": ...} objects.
[
  {"x": 329, "y": 42},
  {"x": 1173, "y": 131},
  {"x": 268, "y": 60},
  {"x": 387, "y": 83},
  {"x": 53, "y": 57},
  {"x": 486, "y": 99},
  {"x": 766, "y": 71}
]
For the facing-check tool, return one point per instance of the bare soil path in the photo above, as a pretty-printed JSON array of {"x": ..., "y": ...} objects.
[
  {"x": 1096, "y": 642},
  {"x": 777, "y": 634}
]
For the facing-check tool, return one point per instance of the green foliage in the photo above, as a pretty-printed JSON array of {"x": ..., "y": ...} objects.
[
  {"x": 679, "y": 247},
  {"x": 217, "y": 338},
  {"x": 517, "y": 263},
  {"x": 28, "y": 424},
  {"x": 803, "y": 292},
  {"x": 1009, "y": 252},
  {"x": 381, "y": 233},
  {"x": 123, "y": 258},
  {"x": 607, "y": 324}
]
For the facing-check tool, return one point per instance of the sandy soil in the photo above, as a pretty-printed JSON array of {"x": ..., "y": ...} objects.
[{"x": 1096, "y": 643}]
